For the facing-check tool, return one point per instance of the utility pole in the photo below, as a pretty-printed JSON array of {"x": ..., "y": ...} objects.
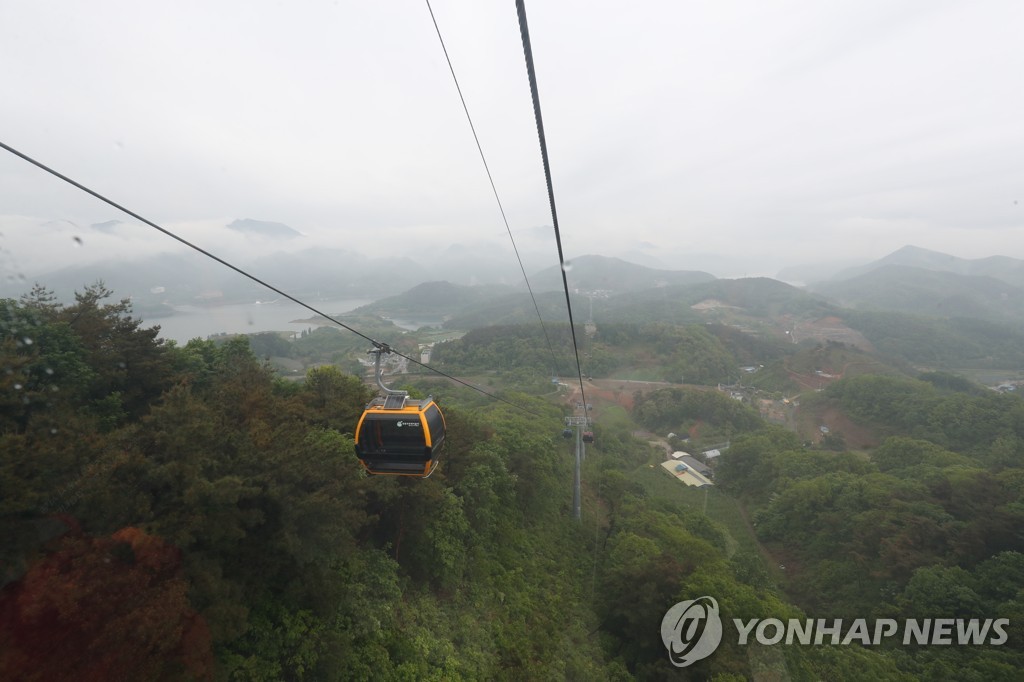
[{"x": 576, "y": 503}]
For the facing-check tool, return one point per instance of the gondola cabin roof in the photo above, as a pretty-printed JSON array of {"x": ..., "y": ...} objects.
[{"x": 399, "y": 436}]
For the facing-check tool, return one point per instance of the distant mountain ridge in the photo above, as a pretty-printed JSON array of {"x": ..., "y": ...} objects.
[
  {"x": 474, "y": 306},
  {"x": 935, "y": 293},
  {"x": 603, "y": 273},
  {"x": 431, "y": 300},
  {"x": 1010, "y": 270}
]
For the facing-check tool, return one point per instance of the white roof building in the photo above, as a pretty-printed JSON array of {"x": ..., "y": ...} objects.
[{"x": 686, "y": 474}]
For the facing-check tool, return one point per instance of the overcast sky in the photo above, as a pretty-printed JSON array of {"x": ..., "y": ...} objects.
[{"x": 733, "y": 137}]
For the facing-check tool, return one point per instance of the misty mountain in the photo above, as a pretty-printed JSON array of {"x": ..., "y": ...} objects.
[
  {"x": 1008, "y": 269},
  {"x": 263, "y": 228},
  {"x": 469, "y": 307},
  {"x": 459, "y": 306},
  {"x": 148, "y": 281},
  {"x": 810, "y": 273},
  {"x": 169, "y": 279},
  {"x": 478, "y": 263},
  {"x": 752, "y": 298},
  {"x": 340, "y": 273},
  {"x": 737, "y": 300},
  {"x": 435, "y": 301},
  {"x": 601, "y": 273},
  {"x": 929, "y": 292}
]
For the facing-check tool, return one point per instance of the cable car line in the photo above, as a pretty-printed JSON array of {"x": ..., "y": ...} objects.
[
  {"x": 184, "y": 241},
  {"x": 490, "y": 178},
  {"x": 379, "y": 345},
  {"x": 531, "y": 72}
]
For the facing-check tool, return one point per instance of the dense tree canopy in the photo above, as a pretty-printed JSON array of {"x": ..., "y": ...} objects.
[
  {"x": 679, "y": 409},
  {"x": 671, "y": 353},
  {"x": 179, "y": 512},
  {"x": 987, "y": 425}
]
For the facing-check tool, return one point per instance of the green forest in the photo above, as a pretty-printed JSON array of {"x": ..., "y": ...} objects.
[
  {"x": 183, "y": 512},
  {"x": 662, "y": 352}
]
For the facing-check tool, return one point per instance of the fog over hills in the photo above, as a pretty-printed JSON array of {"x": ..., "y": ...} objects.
[
  {"x": 929, "y": 292},
  {"x": 592, "y": 273},
  {"x": 924, "y": 282},
  {"x": 185, "y": 278},
  {"x": 137, "y": 262},
  {"x": 1008, "y": 269},
  {"x": 437, "y": 300},
  {"x": 449, "y": 278},
  {"x": 596, "y": 276},
  {"x": 922, "y": 295},
  {"x": 155, "y": 271}
]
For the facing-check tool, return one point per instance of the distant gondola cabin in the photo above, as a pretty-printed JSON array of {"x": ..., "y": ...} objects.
[
  {"x": 400, "y": 437},
  {"x": 588, "y": 436}
]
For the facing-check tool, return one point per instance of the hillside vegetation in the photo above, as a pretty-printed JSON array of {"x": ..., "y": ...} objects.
[
  {"x": 182, "y": 512},
  {"x": 927, "y": 526},
  {"x": 177, "y": 512}
]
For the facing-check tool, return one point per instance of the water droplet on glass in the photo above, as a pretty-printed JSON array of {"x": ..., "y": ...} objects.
[
  {"x": 54, "y": 388},
  {"x": 122, "y": 365},
  {"x": 118, "y": 145},
  {"x": 566, "y": 266},
  {"x": 49, "y": 370},
  {"x": 17, "y": 387},
  {"x": 78, "y": 240},
  {"x": 27, "y": 341},
  {"x": 53, "y": 432}
]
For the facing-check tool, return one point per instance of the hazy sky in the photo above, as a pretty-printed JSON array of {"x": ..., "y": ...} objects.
[{"x": 771, "y": 133}]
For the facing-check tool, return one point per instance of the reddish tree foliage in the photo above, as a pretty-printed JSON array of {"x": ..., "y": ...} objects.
[{"x": 110, "y": 608}]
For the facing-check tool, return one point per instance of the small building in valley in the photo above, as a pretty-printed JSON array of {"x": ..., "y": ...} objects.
[{"x": 685, "y": 474}]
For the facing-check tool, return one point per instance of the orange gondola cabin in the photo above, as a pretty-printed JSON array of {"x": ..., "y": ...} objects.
[{"x": 400, "y": 436}]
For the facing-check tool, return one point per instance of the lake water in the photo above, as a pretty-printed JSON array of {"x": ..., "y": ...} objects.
[{"x": 192, "y": 321}]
